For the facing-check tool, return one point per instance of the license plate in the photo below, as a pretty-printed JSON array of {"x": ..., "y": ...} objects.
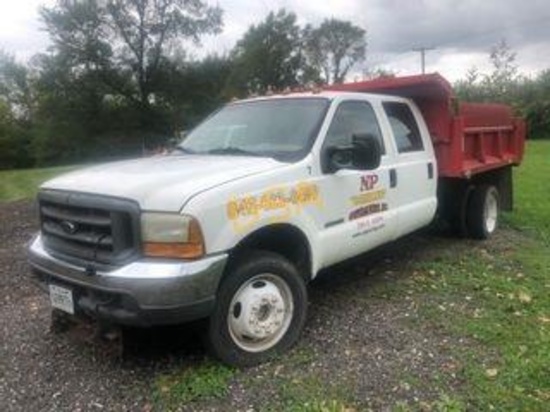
[{"x": 62, "y": 298}]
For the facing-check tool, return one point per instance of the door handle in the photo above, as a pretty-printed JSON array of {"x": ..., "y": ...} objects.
[
  {"x": 430, "y": 170},
  {"x": 393, "y": 178}
]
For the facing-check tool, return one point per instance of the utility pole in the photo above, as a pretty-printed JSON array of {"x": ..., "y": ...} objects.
[{"x": 422, "y": 51}]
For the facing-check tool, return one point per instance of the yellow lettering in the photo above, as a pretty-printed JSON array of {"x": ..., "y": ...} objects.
[
  {"x": 288, "y": 200},
  {"x": 368, "y": 197}
]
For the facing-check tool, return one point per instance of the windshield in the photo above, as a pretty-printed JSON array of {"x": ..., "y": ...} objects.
[{"x": 279, "y": 128}]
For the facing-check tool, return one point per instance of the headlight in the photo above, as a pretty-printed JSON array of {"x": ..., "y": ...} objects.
[{"x": 171, "y": 235}]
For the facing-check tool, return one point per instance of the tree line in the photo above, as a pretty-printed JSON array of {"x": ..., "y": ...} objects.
[
  {"x": 119, "y": 79},
  {"x": 530, "y": 96}
]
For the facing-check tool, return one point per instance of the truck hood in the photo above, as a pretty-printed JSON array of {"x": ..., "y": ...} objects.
[{"x": 161, "y": 183}]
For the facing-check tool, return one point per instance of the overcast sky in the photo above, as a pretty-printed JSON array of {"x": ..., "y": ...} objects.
[{"x": 461, "y": 31}]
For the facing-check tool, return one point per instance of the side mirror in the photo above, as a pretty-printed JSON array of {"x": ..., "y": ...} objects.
[{"x": 364, "y": 153}]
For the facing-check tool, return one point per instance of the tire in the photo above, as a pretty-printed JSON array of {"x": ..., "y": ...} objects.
[
  {"x": 483, "y": 212},
  {"x": 260, "y": 310}
]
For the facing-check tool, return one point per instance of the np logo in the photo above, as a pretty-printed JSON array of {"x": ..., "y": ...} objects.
[
  {"x": 69, "y": 227},
  {"x": 368, "y": 182}
]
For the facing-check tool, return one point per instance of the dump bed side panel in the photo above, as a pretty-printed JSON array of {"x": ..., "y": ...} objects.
[{"x": 492, "y": 137}]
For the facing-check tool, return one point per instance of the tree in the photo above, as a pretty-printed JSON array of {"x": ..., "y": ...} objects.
[
  {"x": 16, "y": 87},
  {"x": 502, "y": 84},
  {"x": 535, "y": 105},
  {"x": 473, "y": 87},
  {"x": 505, "y": 69},
  {"x": 530, "y": 97},
  {"x": 98, "y": 90},
  {"x": 126, "y": 40},
  {"x": 268, "y": 56},
  {"x": 503, "y": 59},
  {"x": 17, "y": 103},
  {"x": 334, "y": 48},
  {"x": 70, "y": 115},
  {"x": 376, "y": 72},
  {"x": 11, "y": 144},
  {"x": 190, "y": 90}
]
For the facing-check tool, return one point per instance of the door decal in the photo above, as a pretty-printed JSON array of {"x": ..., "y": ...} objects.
[
  {"x": 369, "y": 197},
  {"x": 366, "y": 226},
  {"x": 367, "y": 206},
  {"x": 368, "y": 210},
  {"x": 277, "y": 204},
  {"x": 369, "y": 191},
  {"x": 368, "y": 182}
]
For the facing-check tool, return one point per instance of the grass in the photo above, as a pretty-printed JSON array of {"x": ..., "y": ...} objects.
[
  {"x": 206, "y": 380},
  {"x": 295, "y": 390},
  {"x": 498, "y": 297},
  {"x": 206, "y": 385},
  {"x": 443, "y": 404},
  {"x": 532, "y": 191},
  {"x": 23, "y": 184},
  {"x": 306, "y": 394},
  {"x": 504, "y": 310}
]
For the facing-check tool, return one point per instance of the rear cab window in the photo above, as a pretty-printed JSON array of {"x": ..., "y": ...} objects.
[{"x": 406, "y": 132}]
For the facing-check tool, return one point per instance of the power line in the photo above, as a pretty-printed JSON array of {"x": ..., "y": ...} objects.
[{"x": 422, "y": 50}]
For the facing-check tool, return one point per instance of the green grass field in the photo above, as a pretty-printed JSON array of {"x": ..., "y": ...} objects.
[
  {"x": 23, "y": 184},
  {"x": 532, "y": 191}
]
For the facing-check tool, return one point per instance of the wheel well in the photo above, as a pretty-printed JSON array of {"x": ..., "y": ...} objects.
[{"x": 284, "y": 239}]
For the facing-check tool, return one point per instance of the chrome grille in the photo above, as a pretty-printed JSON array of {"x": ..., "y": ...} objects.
[{"x": 89, "y": 229}]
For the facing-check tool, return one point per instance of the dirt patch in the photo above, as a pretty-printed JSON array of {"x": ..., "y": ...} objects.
[{"x": 358, "y": 345}]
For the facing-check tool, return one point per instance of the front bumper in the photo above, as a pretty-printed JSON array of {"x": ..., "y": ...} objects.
[{"x": 145, "y": 292}]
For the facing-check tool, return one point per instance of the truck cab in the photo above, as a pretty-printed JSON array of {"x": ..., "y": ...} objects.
[{"x": 234, "y": 223}]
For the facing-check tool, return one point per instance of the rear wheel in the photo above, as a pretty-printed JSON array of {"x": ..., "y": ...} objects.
[
  {"x": 483, "y": 212},
  {"x": 260, "y": 310}
]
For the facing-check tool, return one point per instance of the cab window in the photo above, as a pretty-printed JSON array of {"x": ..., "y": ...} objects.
[
  {"x": 405, "y": 129},
  {"x": 352, "y": 118}
]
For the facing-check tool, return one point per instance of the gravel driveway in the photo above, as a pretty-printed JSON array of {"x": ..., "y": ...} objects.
[{"x": 363, "y": 344}]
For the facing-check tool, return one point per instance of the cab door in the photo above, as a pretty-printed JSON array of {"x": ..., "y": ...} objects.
[
  {"x": 359, "y": 208},
  {"x": 413, "y": 177}
]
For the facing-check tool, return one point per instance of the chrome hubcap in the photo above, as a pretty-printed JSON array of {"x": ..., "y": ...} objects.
[{"x": 260, "y": 313}]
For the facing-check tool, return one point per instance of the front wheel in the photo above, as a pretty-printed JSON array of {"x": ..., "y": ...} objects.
[
  {"x": 260, "y": 310},
  {"x": 483, "y": 212}
]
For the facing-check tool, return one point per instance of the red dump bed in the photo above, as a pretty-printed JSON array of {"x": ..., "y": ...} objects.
[{"x": 468, "y": 138}]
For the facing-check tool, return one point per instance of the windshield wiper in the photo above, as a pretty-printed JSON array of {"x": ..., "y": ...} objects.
[{"x": 232, "y": 150}]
